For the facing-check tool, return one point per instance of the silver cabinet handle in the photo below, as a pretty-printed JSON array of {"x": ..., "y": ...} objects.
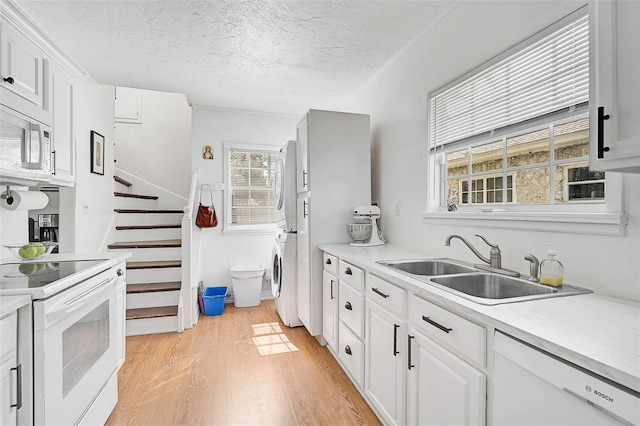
[
  {"x": 304, "y": 209},
  {"x": 332, "y": 296},
  {"x": 304, "y": 178},
  {"x": 18, "y": 370}
]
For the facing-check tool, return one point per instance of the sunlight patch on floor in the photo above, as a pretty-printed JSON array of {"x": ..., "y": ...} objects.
[{"x": 270, "y": 340}]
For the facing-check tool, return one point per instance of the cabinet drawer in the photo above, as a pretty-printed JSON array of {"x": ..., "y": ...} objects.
[
  {"x": 351, "y": 353},
  {"x": 386, "y": 294},
  {"x": 330, "y": 264},
  {"x": 352, "y": 308},
  {"x": 351, "y": 275},
  {"x": 451, "y": 330}
]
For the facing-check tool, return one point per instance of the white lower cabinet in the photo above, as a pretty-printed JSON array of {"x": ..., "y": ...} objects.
[
  {"x": 442, "y": 389},
  {"x": 385, "y": 382},
  {"x": 9, "y": 376},
  {"x": 330, "y": 309}
]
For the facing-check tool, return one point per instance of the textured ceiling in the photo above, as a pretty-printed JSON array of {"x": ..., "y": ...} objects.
[{"x": 262, "y": 55}]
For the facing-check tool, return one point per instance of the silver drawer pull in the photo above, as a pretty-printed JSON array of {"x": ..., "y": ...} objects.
[
  {"x": 375, "y": 290},
  {"x": 435, "y": 324}
]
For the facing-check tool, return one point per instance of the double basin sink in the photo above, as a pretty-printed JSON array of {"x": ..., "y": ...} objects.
[{"x": 480, "y": 287}]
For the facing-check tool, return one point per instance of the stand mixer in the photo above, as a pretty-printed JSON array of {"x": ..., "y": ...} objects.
[{"x": 364, "y": 231}]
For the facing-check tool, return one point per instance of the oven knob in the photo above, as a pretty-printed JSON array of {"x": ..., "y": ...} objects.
[{"x": 120, "y": 273}]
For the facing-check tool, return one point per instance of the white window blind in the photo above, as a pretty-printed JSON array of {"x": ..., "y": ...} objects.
[
  {"x": 544, "y": 76},
  {"x": 251, "y": 179}
]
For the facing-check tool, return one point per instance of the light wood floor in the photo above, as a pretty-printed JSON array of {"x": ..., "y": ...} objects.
[{"x": 241, "y": 368}]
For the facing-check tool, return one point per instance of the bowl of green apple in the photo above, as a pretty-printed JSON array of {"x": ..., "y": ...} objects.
[{"x": 31, "y": 251}]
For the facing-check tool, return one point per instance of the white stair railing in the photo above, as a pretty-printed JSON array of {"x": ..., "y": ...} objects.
[{"x": 188, "y": 304}]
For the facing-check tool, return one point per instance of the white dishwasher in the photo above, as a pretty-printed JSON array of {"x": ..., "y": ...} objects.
[{"x": 534, "y": 388}]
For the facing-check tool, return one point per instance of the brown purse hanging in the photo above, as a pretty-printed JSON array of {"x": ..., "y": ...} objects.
[{"x": 206, "y": 217}]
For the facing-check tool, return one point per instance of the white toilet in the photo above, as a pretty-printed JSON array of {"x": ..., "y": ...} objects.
[{"x": 247, "y": 285}]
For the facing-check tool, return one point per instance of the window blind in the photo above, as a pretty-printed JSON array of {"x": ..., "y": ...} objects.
[
  {"x": 543, "y": 76},
  {"x": 251, "y": 177}
]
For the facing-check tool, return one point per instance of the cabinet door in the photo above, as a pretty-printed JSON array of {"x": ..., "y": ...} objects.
[
  {"x": 302, "y": 154},
  {"x": 61, "y": 93},
  {"x": 22, "y": 63},
  {"x": 304, "y": 272},
  {"x": 442, "y": 389},
  {"x": 8, "y": 377},
  {"x": 329, "y": 309},
  {"x": 615, "y": 92},
  {"x": 385, "y": 354}
]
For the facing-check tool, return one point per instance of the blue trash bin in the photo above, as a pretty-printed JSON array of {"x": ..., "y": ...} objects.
[{"x": 214, "y": 300}]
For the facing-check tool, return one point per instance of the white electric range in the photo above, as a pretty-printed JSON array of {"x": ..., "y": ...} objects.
[{"x": 76, "y": 332}]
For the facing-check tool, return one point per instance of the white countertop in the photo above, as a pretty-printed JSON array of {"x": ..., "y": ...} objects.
[
  {"x": 596, "y": 332},
  {"x": 8, "y": 304}
]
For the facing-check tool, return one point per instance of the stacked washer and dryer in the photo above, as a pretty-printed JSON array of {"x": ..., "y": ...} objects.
[{"x": 284, "y": 258}]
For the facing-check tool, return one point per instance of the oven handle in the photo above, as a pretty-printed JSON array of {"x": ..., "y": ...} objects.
[{"x": 77, "y": 302}]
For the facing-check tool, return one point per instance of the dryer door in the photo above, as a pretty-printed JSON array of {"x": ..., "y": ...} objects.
[
  {"x": 278, "y": 184},
  {"x": 276, "y": 270}
]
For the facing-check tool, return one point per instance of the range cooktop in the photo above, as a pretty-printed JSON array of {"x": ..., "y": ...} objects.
[{"x": 38, "y": 275}]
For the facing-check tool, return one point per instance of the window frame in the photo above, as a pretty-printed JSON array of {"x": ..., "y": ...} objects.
[
  {"x": 231, "y": 228},
  {"x": 589, "y": 217}
]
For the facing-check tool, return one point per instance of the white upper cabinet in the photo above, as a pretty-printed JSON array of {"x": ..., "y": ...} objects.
[
  {"x": 615, "y": 89},
  {"x": 60, "y": 94},
  {"x": 22, "y": 82},
  {"x": 302, "y": 160}
]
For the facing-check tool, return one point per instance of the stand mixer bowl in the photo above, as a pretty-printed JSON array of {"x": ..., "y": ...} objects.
[{"x": 359, "y": 232}]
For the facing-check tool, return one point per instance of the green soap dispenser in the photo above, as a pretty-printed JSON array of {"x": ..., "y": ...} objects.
[{"x": 551, "y": 270}]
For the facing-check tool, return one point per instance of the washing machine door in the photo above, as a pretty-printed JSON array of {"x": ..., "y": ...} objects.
[
  {"x": 276, "y": 270},
  {"x": 278, "y": 184}
]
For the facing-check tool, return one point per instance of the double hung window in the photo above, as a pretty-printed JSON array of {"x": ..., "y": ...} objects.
[
  {"x": 250, "y": 197},
  {"x": 515, "y": 131}
]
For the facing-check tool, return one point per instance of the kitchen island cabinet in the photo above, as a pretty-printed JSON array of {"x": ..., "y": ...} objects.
[{"x": 614, "y": 99}]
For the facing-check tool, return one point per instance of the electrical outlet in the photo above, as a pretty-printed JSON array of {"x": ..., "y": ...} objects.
[
  {"x": 85, "y": 207},
  {"x": 397, "y": 209}
]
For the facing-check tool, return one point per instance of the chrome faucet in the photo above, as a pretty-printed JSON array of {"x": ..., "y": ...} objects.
[
  {"x": 495, "y": 256},
  {"x": 534, "y": 266}
]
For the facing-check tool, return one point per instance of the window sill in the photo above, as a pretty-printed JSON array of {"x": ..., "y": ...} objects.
[{"x": 569, "y": 222}]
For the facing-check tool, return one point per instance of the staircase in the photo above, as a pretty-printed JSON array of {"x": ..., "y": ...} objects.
[{"x": 153, "y": 235}]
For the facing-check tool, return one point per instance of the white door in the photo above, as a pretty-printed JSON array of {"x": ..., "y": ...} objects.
[
  {"x": 442, "y": 389},
  {"x": 385, "y": 366},
  {"x": 329, "y": 309},
  {"x": 304, "y": 272}
]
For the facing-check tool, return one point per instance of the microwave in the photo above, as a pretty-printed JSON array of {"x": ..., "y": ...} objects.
[{"x": 25, "y": 149}]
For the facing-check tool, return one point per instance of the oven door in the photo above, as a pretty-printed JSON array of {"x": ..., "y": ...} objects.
[{"x": 75, "y": 349}]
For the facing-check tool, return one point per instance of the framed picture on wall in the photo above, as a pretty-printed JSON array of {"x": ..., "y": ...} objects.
[{"x": 97, "y": 153}]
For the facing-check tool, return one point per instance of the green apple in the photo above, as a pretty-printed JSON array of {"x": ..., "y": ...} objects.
[
  {"x": 41, "y": 248},
  {"x": 28, "y": 268},
  {"x": 27, "y": 251}
]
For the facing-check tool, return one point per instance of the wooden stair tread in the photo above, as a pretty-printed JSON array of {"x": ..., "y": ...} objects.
[
  {"x": 147, "y": 211},
  {"x": 122, "y": 181},
  {"x": 154, "y": 312},
  {"x": 154, "y": 264},
  {"x": 161, "y": 226},
  {"x": 146, "y": 244},
  {"x": 129, "y": 195},
  {"x": 153, "y": 287}
]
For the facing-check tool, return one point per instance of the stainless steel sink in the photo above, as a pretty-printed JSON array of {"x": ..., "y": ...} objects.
[
  {"x": 494, "y": 289},
  {"x": 428, "y": 267}
]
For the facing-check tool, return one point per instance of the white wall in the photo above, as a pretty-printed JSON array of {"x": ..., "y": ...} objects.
[
  {"x": 214, "y": 127},
  {"x": 472, "y": 33},
  {"x": 89, "y": 231},
  {"x": 164, "y": 138}
]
